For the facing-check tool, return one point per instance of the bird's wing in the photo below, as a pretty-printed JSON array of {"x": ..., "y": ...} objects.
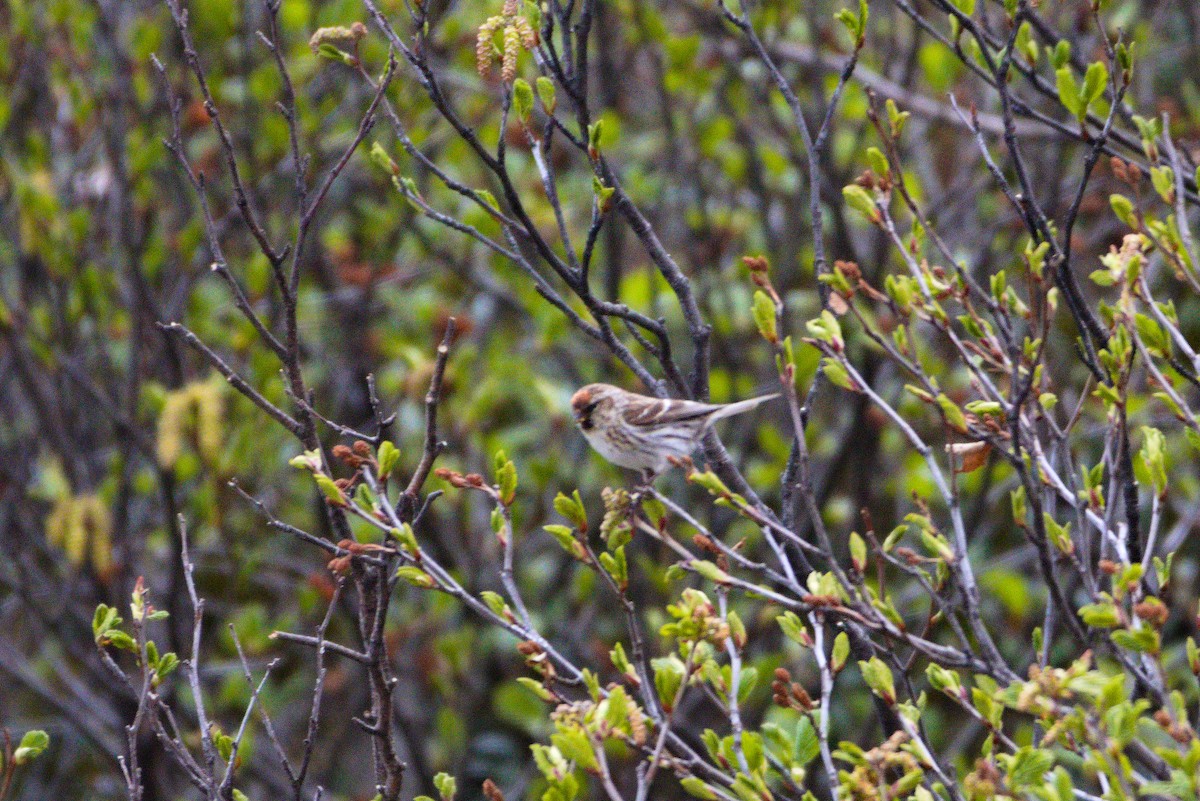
[{"x": 665, "y": 411}]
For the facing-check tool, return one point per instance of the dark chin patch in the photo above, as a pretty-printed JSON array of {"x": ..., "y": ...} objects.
[{"x": 586, "y": 423}]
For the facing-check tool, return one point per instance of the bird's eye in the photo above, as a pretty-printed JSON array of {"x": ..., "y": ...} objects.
[{"x": 585, "y": 415}]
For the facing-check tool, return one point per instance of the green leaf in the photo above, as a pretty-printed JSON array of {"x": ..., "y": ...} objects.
[
  {"x": 536, "y": 688},
  {"x": 669, "y": 673},
  {"x": 943, "y": 680},
  {"x": 494, "y": 601},
  {"x": 764, "y": 316},
  {"x": 1123, "y": 208},
  {"x": 1028, "y": 767},
  {"x": 326, "y": 50},
  {"x": 858, "y": 551},
  {"x": 878, "y": 162},
  {"x": 522, "y": 98},
  {"x": 151, "y": 653},
  {"x": 224, "y": 744},
  {"x": 954, "y": 415},
  {"x": 332, "y": 492},
  {"x": 363, "y": 497},
  {"x": 896, "y": 118},
  {"x": 617, "y": 712},
  {"x": 697, "y": 788},
  {"x": 1124, "y": 55},
  {"x": 595, "y": 137},
  {"x": 841, "y": 651},
  {"x": 1068, "y": 92},
  {"x": 838, "y": 375},
  {"x": 104, "y": 619},
  {"x": 572, "y": 509},
  {"x": 603, "y": 193},
  {"x": 446, "y": 786},
  {"x": 1059, "y": 535},
  {"x": 1100, "y": 615},
  {"x": 621, "y": 662},
  {"x": 614, "y": 564},
  {"x": 710, "y": 571},
  {"x": 808, "y": 744},
  {"x": 166, "y": 665},
  {"x": 1153, "y": 457},
  {"x": 1094, "y": 81},
  {"x": 33, "y": 743},
  {"x": 382, "y": 159},
  {"x": 856, "y": 24},
  {"x": 1061, "y": 55},
  {"x": 387, "y": 457},
  {"x": 405, "y": 538},
  {"x": 488, "y": 198},
  {"x": 737, "y": 629},
  {"x": 119, "y": 639},
  {"x": 416, "y": 577},
  {"x": 545, "y": 90},
  {"x": 565, "y": 537},
  {"x": 506, "y": 478},
  {"x": 894, "y": 536},
  {"x": 711, "y": 482},
  {"x": 793, "y": 628},
  {"x": 861, "y": 201},
  {"x": 1163, "y": 180},
  {"x": 878, "y": 677},
  {"x": 655, "y": 511},
  {"x": 1145, "y": 641},
  {"x": 747, "y": 681},
  {"x": 575, "y": 746}
]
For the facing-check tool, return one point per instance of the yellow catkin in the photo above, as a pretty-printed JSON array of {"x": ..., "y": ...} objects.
[
  {"x": 529, "y": 36},
  {"x": 56, "y": 522},
  {"x": 512, "y": 49},
  {"x": 209, "y": 411},
  {"x": 81, "y": 526},
  {"x": 75, "y": 539},
  {"x": 637, "y": 723},
  {"x": 98, "y": 524},
  {"x": 195, "y": 409},
  {"x": 485, "y": 52},
  {"x": 171, "y": 422}
]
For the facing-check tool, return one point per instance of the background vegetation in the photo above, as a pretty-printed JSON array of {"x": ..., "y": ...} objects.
[{"x": 241, "y": 237}]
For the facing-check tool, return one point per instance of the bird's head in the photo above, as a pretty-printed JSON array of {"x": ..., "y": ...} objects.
[{"x": 591, "y": 402}]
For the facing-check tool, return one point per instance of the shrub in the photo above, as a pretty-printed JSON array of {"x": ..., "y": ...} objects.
[{"x": 288, "y": 394}]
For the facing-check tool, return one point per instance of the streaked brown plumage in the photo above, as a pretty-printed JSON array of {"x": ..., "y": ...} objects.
[{"x": 642, "y": 433}]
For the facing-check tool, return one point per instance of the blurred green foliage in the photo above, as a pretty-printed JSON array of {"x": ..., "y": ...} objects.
[{"x": 103, "y": 411}]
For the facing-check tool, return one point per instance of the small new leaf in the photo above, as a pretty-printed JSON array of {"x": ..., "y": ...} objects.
[
  {"x": 545, "y": 90},
  {"x": 522, "y": 98},
  {"x": 387, "y": 457},
  {"x": 764, "y": 316},
  {"x": 32, "y": 745}
]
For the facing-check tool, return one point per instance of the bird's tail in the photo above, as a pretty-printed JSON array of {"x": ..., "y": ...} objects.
[{"x": 730, "y": 409}]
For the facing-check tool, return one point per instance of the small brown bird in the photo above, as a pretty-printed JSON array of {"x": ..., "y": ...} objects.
[{"x": 641, "y": 433}]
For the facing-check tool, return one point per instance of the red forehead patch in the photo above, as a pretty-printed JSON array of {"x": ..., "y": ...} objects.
[{"x": 581, "y": 398}]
